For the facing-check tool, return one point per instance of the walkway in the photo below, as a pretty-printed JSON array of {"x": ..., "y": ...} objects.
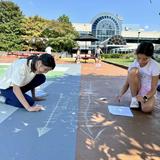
[
  {"x": 77, "y": 126},
  {"x": 103, "y": 136}
]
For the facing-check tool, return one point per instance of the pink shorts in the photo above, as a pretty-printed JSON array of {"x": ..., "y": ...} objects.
[{"x": 143, "y": 91}]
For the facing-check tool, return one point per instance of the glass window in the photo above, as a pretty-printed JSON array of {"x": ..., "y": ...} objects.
[{"x": 105, "y": 27}]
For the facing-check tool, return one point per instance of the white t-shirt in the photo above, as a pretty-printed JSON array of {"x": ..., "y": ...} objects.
[
  {"x": 98, "y": 51},
  {"x": 19, "y": 73},
  {"x": 146, "y": 73},
  {"x": 48, "y": 50},
  {"x": 78, "y": 52},
  {"x": 89, "y": 52}
]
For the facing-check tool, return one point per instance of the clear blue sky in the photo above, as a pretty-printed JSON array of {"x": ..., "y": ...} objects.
[{"x": 140, "y": 12}]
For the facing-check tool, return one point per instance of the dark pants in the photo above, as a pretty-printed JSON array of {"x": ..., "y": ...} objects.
[
  {"x": 11, "y": 98},
  {"x": 158, "y": 88}
]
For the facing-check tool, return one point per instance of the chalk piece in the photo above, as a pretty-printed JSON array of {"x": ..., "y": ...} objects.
[
  {"x": 42, "y": 108},
  {"x": 25, "y": 124},
  {"x": 102, "y": 99}
]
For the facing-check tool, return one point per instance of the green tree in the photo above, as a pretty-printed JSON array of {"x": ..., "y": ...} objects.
[
  {"x": 65, "y": 43},
  {"x": 39, "y": 32},
  {"x": 61, "y": 34},
  {"x": 53, "y": 30},
  {"x": 10, "y": 26},
  {"x": 23, "y": 33},
  {"x": 32, "y": 32},
  {"x": 64, "y": 19}
]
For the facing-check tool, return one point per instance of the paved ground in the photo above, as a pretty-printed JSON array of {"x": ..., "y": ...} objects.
[
  {"x": 50, "y": 134},
  {"x": 77, "y": 126},
  {"x": 103, "y": 136}
]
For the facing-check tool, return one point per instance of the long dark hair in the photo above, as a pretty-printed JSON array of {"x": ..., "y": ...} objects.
[
  {"x": 145, "y": 48},
  {"x": 46, "y": 59}
]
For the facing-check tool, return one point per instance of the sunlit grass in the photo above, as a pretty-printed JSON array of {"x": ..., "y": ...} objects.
[
  {"x": 121, "y": 61},
  {"x": 54, "y": 74},
  {"x": 3, "y": 68}
]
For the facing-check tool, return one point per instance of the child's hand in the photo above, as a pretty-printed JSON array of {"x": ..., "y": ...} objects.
[
  {"x": 119, "y": 98},
  {"x": 35, "y": 108},
  {"x": 140, "y": 99}
]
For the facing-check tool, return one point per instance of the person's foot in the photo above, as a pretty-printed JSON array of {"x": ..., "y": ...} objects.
[
  {"x": 2, "y": 99},
  {"x": 134, "y": 103}
]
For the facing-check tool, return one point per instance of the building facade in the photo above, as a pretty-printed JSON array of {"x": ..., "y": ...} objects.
[
  {"x": 105, "y": 26},
  {"x": 110, "y": 30}
]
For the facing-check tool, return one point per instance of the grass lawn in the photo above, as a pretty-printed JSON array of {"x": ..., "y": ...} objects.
[
  {"x": 121, "y": 61},
  {"x": 3, "y": 68},
  {"x": 54, "y": 74}
]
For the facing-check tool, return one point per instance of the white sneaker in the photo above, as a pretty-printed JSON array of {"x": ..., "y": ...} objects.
[
  {"x": 2, "y": 99},
  {"x": 134, "y": 103}
]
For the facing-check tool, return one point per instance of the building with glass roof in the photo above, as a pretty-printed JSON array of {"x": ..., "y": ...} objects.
[{"x": 110, "y": 31}]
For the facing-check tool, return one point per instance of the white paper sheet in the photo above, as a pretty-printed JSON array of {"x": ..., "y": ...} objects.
[{"x": 120, "y": 110}]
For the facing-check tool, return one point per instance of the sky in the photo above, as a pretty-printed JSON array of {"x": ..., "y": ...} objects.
[{"x": 144, "y": 13}]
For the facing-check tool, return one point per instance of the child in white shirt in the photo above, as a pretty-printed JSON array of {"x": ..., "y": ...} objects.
[
  {"x": 22, "y": 76},
  {"x": 142, "y": 78}
]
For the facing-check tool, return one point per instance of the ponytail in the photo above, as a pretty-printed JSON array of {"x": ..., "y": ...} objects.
[
  {"x": 34, "y": 59},
  {"x": 46, "y": 59}
]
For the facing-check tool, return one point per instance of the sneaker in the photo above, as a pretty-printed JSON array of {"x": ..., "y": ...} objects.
[
  {"x": 2, "y": 99},
  {"x": 134, "y": 103}
]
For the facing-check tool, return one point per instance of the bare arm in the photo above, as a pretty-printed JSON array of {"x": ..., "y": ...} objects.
[
  {"x": 124, "y": 88},
  {"x": 18, "y": 93},
  {"x": 152, "y": 92},
  {"x": 154, "y": 84},
  {"x": 101, "y": 52}
]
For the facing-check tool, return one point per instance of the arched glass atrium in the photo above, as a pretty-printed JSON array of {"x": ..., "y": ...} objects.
[{"x": 105, "y": 26}]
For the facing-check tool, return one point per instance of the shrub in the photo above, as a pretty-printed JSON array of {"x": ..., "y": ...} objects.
[
  {"x": 112, "y": 55},
  {"x": 118, "y": 55}
]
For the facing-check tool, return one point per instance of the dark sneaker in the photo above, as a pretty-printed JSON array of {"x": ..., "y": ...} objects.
[{"x": 158, "y": 88}]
